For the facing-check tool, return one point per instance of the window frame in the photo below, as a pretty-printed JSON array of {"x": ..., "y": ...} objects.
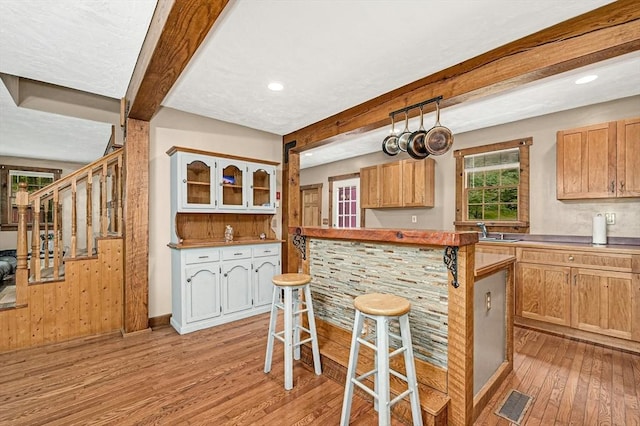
[
  {"x": 521, "y": 225},
  {"x": 5, "y": 192}
]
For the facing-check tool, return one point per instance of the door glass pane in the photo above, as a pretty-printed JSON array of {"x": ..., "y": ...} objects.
[
  {"x": 261, "y": 188},
  {"x": 198, "y": 183},
  {"x": 232, "y": 186}
]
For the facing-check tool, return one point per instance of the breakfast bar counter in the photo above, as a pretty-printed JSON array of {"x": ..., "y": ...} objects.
[{"x": 436, "y": 272}]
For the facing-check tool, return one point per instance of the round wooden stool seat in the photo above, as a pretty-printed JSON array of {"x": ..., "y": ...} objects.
[
  {"x": 382, "y": 304},
  {"x": 286, "y": 280}
]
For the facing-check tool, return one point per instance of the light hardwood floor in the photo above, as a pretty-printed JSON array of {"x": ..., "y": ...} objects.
[{"x": 215, "y": 377}]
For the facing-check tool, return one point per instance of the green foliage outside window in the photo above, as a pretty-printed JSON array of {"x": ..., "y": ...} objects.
[{"x": 492, "y": 182}]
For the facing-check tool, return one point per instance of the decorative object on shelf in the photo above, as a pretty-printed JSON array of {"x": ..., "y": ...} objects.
[
  {"x": 228, "y": 234},
  {"x": 419, "y": 144},
  {"x": 228, "y": 180},
  {"x": 263, "y": 236}
]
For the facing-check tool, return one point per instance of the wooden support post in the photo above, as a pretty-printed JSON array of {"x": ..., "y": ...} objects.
[
  {"x": 56, "y": 233},
  {"x": 35, "y": 248},
  {"x": 460, "y": 349},
  {"x": 22, "y": 273},
  {"x": 291, "y": 215},
  {"x": 89, "y": 212},
  {"x": 118, "y": 184},
  {"x": 136, "y": 214},
  {"x": 74, "y": 218},
  {"x": 103, "y": 201},
  {"x": 46, "y": 229}
]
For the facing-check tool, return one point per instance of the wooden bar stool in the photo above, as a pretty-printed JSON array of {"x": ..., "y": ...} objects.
[
  {"x": 290, "y": 336},
  {"x": 382, "y": 308}
]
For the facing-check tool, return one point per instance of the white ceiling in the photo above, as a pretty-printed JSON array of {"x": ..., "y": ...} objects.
[{"x": 330, "y": 55}]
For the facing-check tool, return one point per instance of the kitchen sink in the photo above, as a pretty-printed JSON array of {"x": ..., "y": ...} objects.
[{"x": 496, "y": 240}]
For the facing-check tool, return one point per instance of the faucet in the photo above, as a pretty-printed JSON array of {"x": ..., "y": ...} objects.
[{"x": 483, "y": 229}]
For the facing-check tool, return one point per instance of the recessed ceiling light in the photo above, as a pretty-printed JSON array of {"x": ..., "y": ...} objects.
[
  {"x": 275, "y": 86},
  {"x": 586, "y": 79},
  {"x": 308, "y": 154}
]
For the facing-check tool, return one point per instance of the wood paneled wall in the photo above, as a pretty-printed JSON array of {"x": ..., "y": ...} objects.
[{"x": 87, "y": 301}]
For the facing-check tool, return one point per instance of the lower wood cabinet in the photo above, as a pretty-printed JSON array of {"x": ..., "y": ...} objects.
[
  {"x": 603, "y": 302},
  {"x": 212, "y": 286},
  {"x": 589, "y": 291},
  {"x": 543, "y": 293}
]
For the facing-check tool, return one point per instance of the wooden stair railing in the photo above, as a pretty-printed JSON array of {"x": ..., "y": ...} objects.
[{"x": 57, "y": 207}]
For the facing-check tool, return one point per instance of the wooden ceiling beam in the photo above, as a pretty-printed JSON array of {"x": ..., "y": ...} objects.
[
  {"x": 177, "y": 29},
  {"x": 603, "y": 33}
]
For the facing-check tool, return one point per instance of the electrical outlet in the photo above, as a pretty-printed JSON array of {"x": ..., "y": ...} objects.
[
  {"x": 414, "y": 219},
  {"x": 610, "y": 218},
  {"x": 487, "y": 300}
]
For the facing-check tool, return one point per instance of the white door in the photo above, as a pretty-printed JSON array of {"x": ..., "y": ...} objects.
[
  {"x": 203, "y": 292},
  {"x": 265, "y": 269},
  {"x": 236, "y": 286},
  {"x": 346, "y": 203}
]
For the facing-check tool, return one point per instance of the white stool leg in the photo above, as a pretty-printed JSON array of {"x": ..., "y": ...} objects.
[
  {"x": 297, "y": 319},
  {"x": 351, "y": 369},
  {"x": 272, "y": 329},
  {"x": 312, "y": 329},
  {"x": 382, "y": 365},
  {"x": 412, "y": 379},
  {"x": 288, "y": 338}
]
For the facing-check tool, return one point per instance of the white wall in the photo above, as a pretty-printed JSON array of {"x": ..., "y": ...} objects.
[
  {"x": 174, "y": 128},
  {"x": 547, "y": 215}
]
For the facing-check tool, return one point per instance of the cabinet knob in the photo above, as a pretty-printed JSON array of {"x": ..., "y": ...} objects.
[
  {"x": 188, "y": 280},
  {"x": 571, "y": 258},
  {"x": 225, "y": 275},
  {"x": 613, "y": 186},
  {"x": 621, "y": 186},
  {"x": 184, "y": 181}
]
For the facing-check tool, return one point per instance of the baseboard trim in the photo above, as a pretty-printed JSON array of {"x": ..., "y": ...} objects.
[{"x": 160, "y": 321}]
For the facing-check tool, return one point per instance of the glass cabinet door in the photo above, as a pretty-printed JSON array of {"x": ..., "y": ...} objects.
[
  {"x": 232, "y": 184},
  {"x": 197, "y": 182},
  {"x": 262, "y": 187}
]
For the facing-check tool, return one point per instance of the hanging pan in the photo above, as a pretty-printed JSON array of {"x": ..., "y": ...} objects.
[
  {"x": 390, "y": 143},
  {"x": 415, "y": 145},
  {"x": 403, "y": 139},
  {"x": 438, "y": 139}
]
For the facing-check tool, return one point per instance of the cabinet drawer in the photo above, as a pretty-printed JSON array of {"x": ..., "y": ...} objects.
[
  {"x": 610, "y": 261},
  {"x": 236, "y": 253},
  {"x": 201, "y": 256},
  {"x": 266, "y": 250}
]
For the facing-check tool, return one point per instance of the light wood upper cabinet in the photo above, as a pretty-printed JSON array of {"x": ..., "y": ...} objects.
[
  {"x": 418, "y": 179},
  {"x": 596, "y": 161},
  {"x": 628, "y": 158},
  {"x": 391, "y": 184},
  {"x": 370, "y": 187},
  {"x": 405, "y": 183}
]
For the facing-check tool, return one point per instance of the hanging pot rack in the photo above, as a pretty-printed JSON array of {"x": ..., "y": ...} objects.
[{"x": 414, "y": 106}]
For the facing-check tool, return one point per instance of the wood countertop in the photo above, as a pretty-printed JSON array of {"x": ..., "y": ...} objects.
[
  {"x": 488, "y": 263},
  {"x": 186, "y": 244},
  {"x": 399, "y": 236},
  {"x": 617, "y": 248}
]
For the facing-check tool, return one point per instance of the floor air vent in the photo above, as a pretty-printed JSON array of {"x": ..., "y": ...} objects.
[{"x": 514, "y": 406}]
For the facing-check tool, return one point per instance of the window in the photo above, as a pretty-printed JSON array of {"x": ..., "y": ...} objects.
[
  {"x": 345, "y": 201},
  {"x": 10, "y": 177},
  {"x": 493, "y": 186}
]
